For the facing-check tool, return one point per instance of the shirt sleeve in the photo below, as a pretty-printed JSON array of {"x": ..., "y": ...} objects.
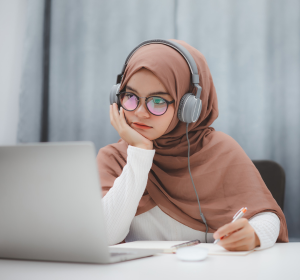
[
  {"x": 267, "y": 227},
  {"x": 121, "y": 201}
]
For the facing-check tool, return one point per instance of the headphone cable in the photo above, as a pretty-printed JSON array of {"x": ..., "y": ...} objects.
[{"x": 201, "y": 214}]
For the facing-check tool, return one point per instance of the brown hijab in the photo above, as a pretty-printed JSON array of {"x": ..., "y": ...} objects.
[{"x": 224, "y": 176}]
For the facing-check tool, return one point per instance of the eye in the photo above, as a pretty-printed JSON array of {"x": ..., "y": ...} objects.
[
  {"x": 129, "y": 95},
  {"x": 158, "y": 100}
]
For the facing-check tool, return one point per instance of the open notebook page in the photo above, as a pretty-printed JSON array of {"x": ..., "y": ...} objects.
[{"x": 165, "y": 246}]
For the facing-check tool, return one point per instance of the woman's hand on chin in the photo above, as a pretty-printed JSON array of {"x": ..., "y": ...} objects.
[
  {"x": 127, "y": 133},
  {"x": 241, "y": 236}
]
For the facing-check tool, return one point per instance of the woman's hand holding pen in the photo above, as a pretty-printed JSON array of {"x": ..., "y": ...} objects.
[
  {"x": 241, "y": 236},
  {"x": 127, "y": 133}
]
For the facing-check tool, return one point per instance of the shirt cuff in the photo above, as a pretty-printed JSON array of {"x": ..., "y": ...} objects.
[
  {"x": 267, "y": 227},
  {"x": 141, "y": 158}
]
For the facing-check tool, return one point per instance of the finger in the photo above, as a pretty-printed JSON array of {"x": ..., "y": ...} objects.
[
  {"x": 229, "y": 234},
  {"x": 111, "y": 114},
  {"x": 122, "y": 117},
  {"x": 115, "y": 109},
  {"x": 114, "y": 118},
  {"x": 125, "y": 118},
  {"x": 116, "y": 114},
  {"x": 235, "y": 244},
  {"x": 231, "y": 227},
  {"x": 241, "y": 245},
  {"x": 234, "y": 237}
]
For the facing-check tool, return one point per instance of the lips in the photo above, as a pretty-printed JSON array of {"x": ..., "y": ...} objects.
[{"x": 141, "y": 125}]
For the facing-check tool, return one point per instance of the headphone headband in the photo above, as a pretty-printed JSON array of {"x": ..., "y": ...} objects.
[{"x": 181, "y": 49}]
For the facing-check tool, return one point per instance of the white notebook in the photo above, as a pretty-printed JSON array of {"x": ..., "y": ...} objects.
[{"x": 165, "y": 246}]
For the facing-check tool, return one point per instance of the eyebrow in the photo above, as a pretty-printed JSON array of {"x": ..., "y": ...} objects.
[{"x": 150, "y": 94}]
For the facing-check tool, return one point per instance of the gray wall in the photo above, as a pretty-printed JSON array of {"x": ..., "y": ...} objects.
[
  {"x": 252, "y": 48},
  {"x": 12, "y": 19}
]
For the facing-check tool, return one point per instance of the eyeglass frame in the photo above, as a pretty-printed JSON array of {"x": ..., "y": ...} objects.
[{"x": 146, "y": 98}]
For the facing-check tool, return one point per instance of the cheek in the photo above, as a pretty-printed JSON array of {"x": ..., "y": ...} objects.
[
  {"x": 165, "y": 120},
  {"x": 128, "y": 116}
]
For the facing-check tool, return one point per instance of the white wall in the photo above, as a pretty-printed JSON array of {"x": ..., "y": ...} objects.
[{"x": 12, "y": 31}]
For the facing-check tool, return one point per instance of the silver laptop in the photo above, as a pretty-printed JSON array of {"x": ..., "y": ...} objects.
[{"x": 50, "y": 205}]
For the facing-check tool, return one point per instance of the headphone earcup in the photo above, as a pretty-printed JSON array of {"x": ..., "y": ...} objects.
[
  {"x": 113, "y": 98},
  {"x": 181, "y": 107},
  {"x": 189, "y": 108}
]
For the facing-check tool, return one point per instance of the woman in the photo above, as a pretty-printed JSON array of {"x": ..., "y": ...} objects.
[{"x": 147, "y": 189}]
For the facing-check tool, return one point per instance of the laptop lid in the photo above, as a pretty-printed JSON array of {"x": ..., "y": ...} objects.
[{"x": 50, "y": 203}]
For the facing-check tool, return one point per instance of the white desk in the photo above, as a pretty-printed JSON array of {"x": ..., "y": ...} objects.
[{"x": 279, "y": 262}]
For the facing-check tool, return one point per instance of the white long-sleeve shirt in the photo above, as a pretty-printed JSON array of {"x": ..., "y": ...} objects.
[{"x": 121, "y": 202}]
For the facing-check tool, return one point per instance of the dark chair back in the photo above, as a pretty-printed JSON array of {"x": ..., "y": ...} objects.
[{"x": 274, "y": 177}]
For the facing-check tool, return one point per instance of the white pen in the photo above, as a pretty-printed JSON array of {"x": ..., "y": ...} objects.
[{"x": 237, "y": 216}]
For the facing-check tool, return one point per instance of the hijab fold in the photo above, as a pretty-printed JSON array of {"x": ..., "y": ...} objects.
[{"x": 225, "y": 178}]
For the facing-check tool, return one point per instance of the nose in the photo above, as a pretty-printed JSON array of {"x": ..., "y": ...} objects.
[{"x": 141, "y": 111}]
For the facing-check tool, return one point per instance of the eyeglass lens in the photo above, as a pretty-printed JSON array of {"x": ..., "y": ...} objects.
[{"x": 156, "y": 105}]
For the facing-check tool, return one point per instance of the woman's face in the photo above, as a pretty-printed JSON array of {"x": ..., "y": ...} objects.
[{"x": 143, "y": 84}]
